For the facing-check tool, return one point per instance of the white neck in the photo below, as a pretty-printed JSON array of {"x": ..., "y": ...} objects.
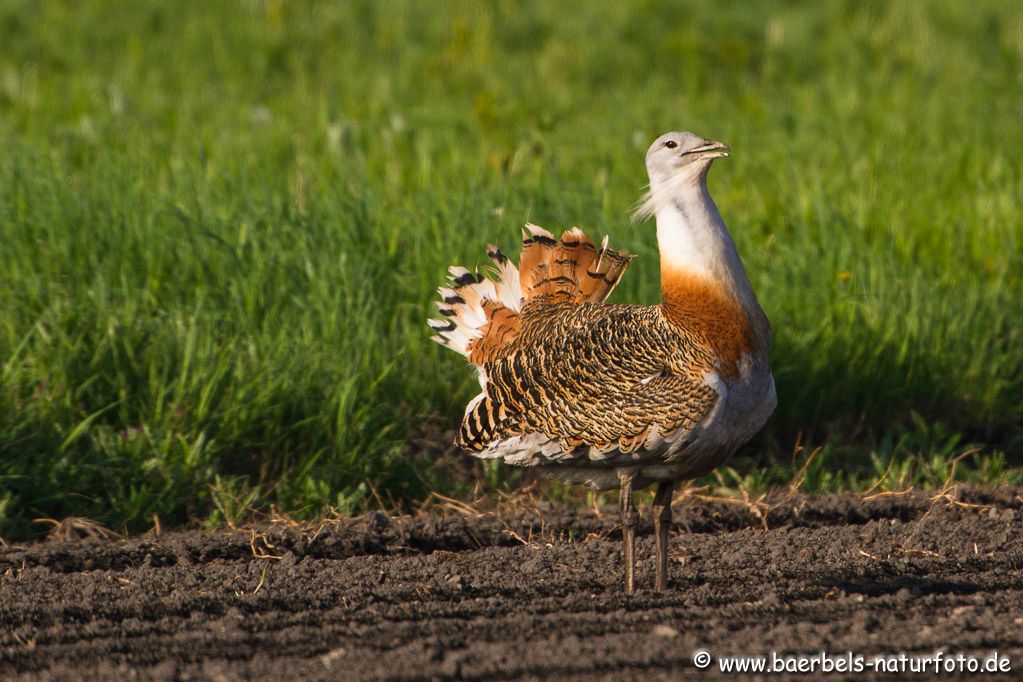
[{"x": 693, "y": 239}]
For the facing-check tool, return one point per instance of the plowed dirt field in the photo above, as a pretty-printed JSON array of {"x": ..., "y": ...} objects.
[{"x": 522, "y": 592}]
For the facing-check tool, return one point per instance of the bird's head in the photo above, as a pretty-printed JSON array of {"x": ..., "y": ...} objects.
[
  {"x": 681, "y": 154},
  {"x": 677, "y": 163}
]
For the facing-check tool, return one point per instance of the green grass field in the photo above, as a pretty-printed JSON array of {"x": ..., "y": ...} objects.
[{"x": 221, "y": 226}]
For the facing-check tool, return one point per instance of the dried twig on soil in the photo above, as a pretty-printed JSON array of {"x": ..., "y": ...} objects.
[
  {"x": 885, "y": 493},
  {"x": 449, "y": 503},
  {"x": 879, "y": 482},
  {"x": 262, "y": 553},
  {"x": 800, "y": 478},
  {"x": 758, "y": 507},
  {"x": 949, "y": 492},
  {"x": 925, "y": 552},
  {"x": 78, "y": 528},
  {"x": 278, "y": 518}
]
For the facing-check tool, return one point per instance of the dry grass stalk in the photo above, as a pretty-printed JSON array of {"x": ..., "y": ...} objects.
[{"x": 78, "y": 528}]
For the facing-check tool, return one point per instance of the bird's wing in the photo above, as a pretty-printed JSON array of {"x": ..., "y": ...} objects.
[{"x": 606, "y": 376}]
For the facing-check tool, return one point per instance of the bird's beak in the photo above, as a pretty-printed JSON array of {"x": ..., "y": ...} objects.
[{"x": 710, "y": 149}]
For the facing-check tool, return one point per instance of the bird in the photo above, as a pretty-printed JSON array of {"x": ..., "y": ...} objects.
[{"x": 614, "y": 395}]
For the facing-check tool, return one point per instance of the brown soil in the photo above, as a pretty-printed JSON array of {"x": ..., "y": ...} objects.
[{"x": 524, "y": 592}]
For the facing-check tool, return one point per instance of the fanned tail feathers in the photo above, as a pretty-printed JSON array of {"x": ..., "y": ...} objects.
[
  {"x": 481, "y": 315},
  {"x": 570, "y": 271}
]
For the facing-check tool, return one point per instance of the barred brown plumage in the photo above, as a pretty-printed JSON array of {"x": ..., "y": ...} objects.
[
  {"x": 611, "y": 394},
  {"x": 567, "y": 356}
]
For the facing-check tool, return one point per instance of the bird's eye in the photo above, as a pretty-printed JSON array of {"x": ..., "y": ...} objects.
[{"x": 671, "y": 144}]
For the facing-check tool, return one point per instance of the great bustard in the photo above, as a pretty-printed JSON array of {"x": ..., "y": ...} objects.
[{"x": 618, "y": 395}]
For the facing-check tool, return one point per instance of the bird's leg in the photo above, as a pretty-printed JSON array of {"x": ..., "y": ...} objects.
[
  {"x": 662, "y": 523},
  {"x": 628, "y": 512}
]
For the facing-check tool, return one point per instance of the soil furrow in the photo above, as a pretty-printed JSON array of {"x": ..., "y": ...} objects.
[{"x": 356, "y": 600}]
